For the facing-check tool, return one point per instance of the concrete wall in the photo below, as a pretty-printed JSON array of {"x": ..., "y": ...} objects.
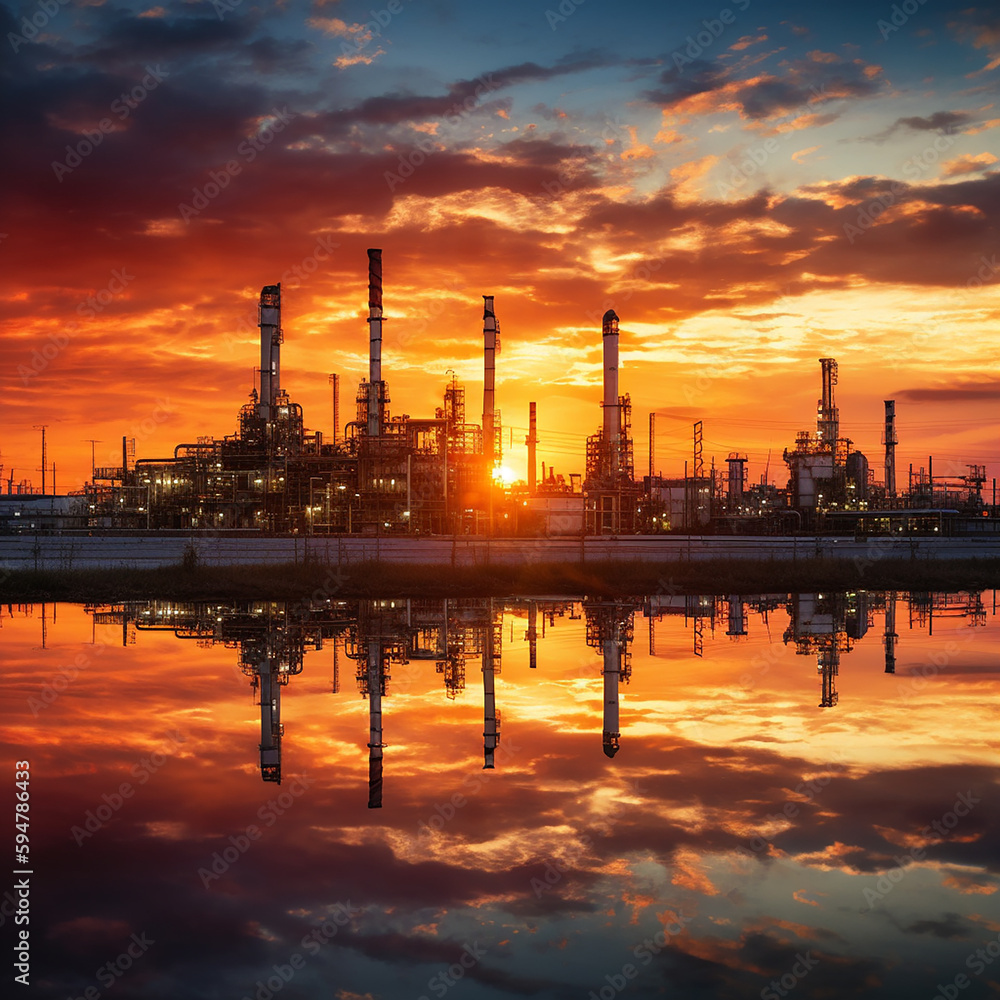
[{"x": 69, "y": 551}]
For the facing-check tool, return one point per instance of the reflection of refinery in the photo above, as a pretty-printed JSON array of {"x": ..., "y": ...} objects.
[
  {"x": 388, "y": 641},
  {"x": 384, "y": 473}
]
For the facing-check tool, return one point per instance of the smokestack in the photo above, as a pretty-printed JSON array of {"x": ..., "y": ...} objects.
[
  {"x": 612, "y": 410},
  {"x": 489, "y": 379},
  {"x": 375, "y": 392},
  {"x": 531, "y": 441},
  {"x": 269, "y": 320},
  {"x": 890, "y": 441}
]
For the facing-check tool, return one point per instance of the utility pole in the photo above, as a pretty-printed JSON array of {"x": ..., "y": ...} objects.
[
  {"x": 41, "y": 427},
  {"x": 93, "y": 462}
]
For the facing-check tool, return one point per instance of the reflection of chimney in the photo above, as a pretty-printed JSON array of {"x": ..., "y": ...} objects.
[
  {"x": 491, "y": 727},
  {"x": 890, "y": 441},
  {"x": 489, "y": 379},
  {"x": 375, "y": 725},
  {"x": 270, "y": 721},
  {"x": 612, "y": 415},
  {"x": 269, "y": 320},
  {"x": 828, "y": 665},
  {"x": 890, "y": 633},
  {"x": 375, "y": 389},
  {"x": 737, "y": 616},
  {"x": 612, "y": 649},
  {"x": 532, "y": 634},
  {"x": 531, "y": 441}
]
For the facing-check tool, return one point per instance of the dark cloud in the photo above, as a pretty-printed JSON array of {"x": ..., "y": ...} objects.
[
  {"x": 941, "y": 122},
  {"x": 960, "y": 391},
  {"x": 804, "y": 84},
  {"x": 951, "y": 926},
  {"x": 680, "y": 82}
]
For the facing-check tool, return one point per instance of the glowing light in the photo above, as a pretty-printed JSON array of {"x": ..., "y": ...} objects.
[{"x": 504, "y": 475}]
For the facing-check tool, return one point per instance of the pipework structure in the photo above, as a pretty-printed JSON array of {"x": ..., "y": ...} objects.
[
  {"x": 611, "y": 493},
  {"x": 384, "y": 473},
  {"x": 825, "y": 473},
  {"x": 890, "y": 441},
  {"x": 380, "y": 474}
]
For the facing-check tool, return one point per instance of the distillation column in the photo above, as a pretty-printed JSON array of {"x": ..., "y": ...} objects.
[
  {"x": 376, "y": 391},
  {"x": 269, "y": 320},
  {"x": 828, "y": 416},
  {"x": 890, "y": 441},
  {"x": 489, "y": 382},
  {"x": 612, "y": 408}
]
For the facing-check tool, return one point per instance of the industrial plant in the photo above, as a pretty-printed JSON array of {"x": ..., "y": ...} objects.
[{"x": 385, "y": 473}]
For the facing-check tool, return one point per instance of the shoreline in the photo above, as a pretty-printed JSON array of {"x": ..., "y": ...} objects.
[{"x": 612, "y": 578}]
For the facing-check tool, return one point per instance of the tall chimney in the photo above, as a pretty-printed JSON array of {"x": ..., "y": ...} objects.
[
  {"x": 532, "y": 441},
  {"x": 375, "y": 389},
  {"x": 489, "y": 379},
  {"x": 269, "y": 320},
  {"x": 890, "y": 441},
  {"x": 612, "y": 409}
]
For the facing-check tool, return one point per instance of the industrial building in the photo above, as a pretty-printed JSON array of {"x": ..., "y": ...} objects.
[{"x": 386, "y": 473}]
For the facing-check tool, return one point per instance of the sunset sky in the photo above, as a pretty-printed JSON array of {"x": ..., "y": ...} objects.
[{"x": 751, "y": 187}]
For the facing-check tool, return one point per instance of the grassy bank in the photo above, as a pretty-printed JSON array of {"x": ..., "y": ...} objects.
[{"x": 719, "y": 576}]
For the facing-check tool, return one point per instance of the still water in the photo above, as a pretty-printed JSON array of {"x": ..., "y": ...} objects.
[{"x": 760, "y": 796}]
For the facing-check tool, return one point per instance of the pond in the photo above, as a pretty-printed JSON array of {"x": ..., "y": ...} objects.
[{"x": 759, "y": 795}]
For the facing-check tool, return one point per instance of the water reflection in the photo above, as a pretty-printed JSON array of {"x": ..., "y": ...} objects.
[
  {"x": 643, "y": 797},
  {"x": 377, "y": 636}
]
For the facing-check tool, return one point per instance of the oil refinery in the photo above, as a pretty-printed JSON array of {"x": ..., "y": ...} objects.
[{"x": 390, "y": 474}]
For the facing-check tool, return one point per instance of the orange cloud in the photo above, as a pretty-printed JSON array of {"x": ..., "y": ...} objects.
[
  {"x": 967, "y": 885},
  {"x": 967, "y": 164}
]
